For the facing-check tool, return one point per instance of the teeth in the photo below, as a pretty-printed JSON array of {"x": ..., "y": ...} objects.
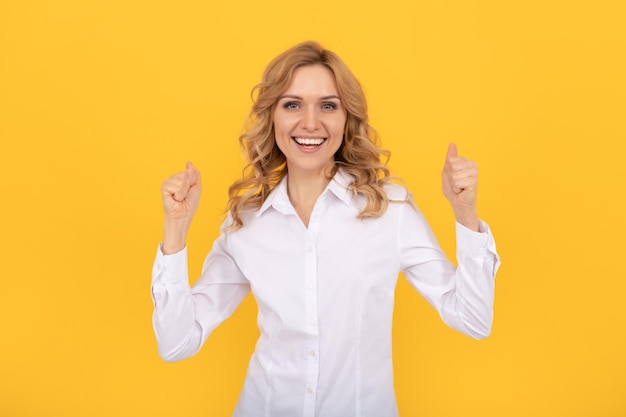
[{"x": 309, "y": 141}]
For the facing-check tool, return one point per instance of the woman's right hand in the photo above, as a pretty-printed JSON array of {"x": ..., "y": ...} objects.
[{"x": 181, "y": 195}]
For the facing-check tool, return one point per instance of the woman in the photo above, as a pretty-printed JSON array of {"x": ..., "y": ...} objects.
[{"x": 318, "y": 234}]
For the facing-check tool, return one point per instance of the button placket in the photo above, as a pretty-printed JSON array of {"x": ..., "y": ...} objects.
[{"x": 310, "y": 288}]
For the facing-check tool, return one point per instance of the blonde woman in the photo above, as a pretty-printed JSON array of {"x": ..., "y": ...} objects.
[{"x": 318, "y": 234}]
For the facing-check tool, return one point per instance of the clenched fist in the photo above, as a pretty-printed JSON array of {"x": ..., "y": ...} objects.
[
  {"x": 181, "y": 195},
  {"x": 459, "y": 183}
]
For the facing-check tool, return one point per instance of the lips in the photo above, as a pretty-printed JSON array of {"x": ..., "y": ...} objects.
[{"x": 309, "y": 141}]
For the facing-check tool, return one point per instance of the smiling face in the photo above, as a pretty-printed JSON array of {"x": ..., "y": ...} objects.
[{"x": 309, "y": 121}]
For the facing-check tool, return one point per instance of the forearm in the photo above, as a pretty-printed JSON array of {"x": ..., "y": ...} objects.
[
  {"x": 468, "y": 217},
  {"x": 469, "y": 309},
  {"x": 478, "y": 262},
  {"x": 173, "y": 318},
  {"x": 184, "y": 317},
  {"x": 177, "y": 335},
  {"x": 174, "y": 235}
]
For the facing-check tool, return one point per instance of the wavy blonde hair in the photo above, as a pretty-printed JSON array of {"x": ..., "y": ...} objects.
[{"x": 359, "y": 154}]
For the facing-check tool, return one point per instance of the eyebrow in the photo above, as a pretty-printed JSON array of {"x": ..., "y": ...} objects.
[{"x": 300, "y": 98}]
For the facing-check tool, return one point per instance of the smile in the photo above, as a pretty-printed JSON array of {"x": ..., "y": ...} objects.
[{"x": 309, "y": 141}]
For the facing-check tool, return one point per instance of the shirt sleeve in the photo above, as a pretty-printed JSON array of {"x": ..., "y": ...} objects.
[
  {"x": 463, "y": 295},
  {"x": 185, "y": 316}
]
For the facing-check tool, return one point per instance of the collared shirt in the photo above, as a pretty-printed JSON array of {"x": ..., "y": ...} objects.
[{"x": 325, "y": 295}]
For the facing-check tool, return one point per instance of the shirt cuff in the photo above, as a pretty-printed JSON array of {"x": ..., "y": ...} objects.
[
  {"x": 170, "y": 268},
  {"x": 469, "y": 242}
]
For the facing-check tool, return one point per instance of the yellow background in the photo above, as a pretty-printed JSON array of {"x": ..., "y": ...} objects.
[{"x": 100, "y": 100}]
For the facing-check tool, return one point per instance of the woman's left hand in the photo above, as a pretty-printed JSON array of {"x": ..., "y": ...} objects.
[{"x": 459, "y": 182}]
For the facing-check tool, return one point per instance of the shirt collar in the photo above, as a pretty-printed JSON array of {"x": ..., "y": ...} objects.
[
  {"x": 278, "y": 198},
  {"x": 339, "y": 185}
]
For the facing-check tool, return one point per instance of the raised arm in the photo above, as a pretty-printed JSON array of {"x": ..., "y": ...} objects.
[
  {"x": 463, "y": 295},
  {"x": 184, "y": 316}
]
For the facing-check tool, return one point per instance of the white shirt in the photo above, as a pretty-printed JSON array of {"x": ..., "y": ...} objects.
[{"x": 325, "y": 296}]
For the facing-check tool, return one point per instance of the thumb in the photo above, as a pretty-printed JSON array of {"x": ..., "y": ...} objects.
[
  {"x": 194, "y": 174},
  {"x": 452, "y": 151}
]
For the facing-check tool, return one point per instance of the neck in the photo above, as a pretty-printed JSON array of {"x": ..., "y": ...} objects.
[{"x": 304, "y": 188}]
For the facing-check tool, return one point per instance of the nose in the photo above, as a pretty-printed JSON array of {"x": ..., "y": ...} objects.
[{"x": 310, "y": 120}]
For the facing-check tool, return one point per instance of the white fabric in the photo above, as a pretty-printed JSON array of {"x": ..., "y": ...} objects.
[{"x": 325, "y": 295}]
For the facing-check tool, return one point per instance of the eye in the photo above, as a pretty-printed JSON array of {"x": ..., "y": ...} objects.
[
  {"x": 329, "y": 106},
  {"x": 290, "y": 105}
]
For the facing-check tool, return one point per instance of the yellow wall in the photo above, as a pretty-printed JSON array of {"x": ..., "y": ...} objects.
[{"x": 101, "y": 99}]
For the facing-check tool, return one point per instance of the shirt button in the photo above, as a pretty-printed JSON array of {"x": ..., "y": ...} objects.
[
  {"x": 309, "y": 249},
  {"x": 309, "y": 390},
  {"x": 312, "y": 353}
]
